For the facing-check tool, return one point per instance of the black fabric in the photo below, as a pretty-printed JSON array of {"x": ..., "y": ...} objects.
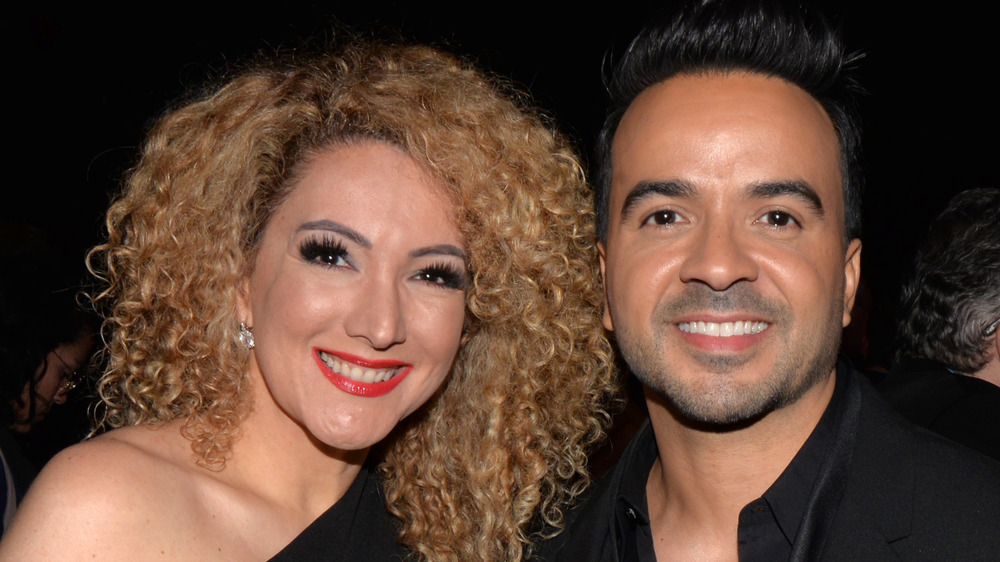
[
  {"x": 758, "y": 535},
  {"x": 809, "y": 476},
  {"x": 631, "y": 510},
  {"x": 23, "y": 471},
  {"x": 767, "y": 526},
  {"x": 886, "y": 491},
  {"x": 834, "y": 438},
  {"x": 357, "y": 527},
  {"x": 962, "y": 408}
]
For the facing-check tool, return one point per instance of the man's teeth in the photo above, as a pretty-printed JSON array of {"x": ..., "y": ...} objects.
[
  {"x": 723, "y": 329},
  {"x": 355, "y": 372}
]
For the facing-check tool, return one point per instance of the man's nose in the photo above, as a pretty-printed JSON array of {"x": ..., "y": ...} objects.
[{"x": 719, "y": 257}]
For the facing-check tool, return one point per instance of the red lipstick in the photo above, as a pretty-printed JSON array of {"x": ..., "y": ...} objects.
[{"x": 358, "y": 388}]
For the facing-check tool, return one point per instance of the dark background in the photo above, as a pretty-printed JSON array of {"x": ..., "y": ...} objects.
[{"x": 83, "y": 84}]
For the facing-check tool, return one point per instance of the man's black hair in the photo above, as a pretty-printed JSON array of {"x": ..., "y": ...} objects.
[{"x": 770, "y": 37}]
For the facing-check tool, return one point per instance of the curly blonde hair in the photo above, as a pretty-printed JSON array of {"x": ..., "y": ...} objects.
[{"x": 501, "y": 449}]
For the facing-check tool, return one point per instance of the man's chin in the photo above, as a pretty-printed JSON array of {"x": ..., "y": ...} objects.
[{"x": 715, "y": 412}]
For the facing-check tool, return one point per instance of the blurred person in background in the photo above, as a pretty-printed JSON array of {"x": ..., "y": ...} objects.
[
  {"x": 45, "y": 342},
  {"x": 947, "y": 376}
]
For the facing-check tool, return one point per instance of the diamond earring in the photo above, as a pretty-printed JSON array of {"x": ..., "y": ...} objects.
[{"x": 246, "y": 336}]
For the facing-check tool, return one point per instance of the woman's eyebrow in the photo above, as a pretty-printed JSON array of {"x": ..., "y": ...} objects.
[
  {"x": 440, "y": 249},
  {"x": 345, "y": 231}
]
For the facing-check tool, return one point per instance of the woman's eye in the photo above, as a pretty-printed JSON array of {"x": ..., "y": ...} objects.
[
  {"x": 443, "y": 276},
  {"x": 662, "y": 218},
  {"x": 324, "y": 251},
  {"x": 777, "y": 218}
]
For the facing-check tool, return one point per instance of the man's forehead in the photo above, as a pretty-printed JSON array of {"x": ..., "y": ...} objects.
[
  {"x": 716, "y": 98},
  {"x": 719, "y": 125}
]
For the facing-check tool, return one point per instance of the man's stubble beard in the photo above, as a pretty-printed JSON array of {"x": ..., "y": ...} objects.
[{"x": 715, "y": 400}]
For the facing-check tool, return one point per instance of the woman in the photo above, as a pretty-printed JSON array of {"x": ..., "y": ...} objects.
[
  {"x": 300, "y": 261},
  {"x": 45, "y": 341}
]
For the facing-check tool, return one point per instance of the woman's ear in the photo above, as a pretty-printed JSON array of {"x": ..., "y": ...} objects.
[{"x": 244, "y": 312}]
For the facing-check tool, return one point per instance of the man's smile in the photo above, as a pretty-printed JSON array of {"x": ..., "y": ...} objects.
[{"x": 723, "y": 329}]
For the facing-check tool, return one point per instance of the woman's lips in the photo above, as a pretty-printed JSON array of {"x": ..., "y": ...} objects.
[{"x": 359, "y": 376}]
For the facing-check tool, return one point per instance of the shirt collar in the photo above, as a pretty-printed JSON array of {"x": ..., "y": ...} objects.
[
  {"x": 637, "y": 462},
  {"x": 789, "y": 496}
]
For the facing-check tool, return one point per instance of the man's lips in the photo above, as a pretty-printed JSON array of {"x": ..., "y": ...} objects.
[
  {"x": 359, "y": 376},
  {"x": 723, "y": 329},
  {"x": 717, "y": 335}
]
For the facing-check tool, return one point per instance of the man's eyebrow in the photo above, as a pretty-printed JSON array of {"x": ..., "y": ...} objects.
[
  {"x": 798, "y": 189},
  {"x": 345, "y": 231},
  {"x": 645, "y": 189}
]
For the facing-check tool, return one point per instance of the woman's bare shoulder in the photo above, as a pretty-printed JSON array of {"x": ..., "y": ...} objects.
[{"x": 111, "y": 497}]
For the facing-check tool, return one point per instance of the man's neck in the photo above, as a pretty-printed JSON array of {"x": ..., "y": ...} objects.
[
  {"x": 702, "y": 479},
  {"x": 991, "y": 371}
]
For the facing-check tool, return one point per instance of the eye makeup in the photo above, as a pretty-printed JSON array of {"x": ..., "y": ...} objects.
[
  {"x": 323, "y": 249},
  {"x": 444, "y": 275}
]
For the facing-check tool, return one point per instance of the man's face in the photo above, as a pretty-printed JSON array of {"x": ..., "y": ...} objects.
[{"x": 726, "y": 274}]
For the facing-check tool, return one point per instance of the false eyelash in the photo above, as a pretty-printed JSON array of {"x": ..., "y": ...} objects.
[
  {"x": 453, "y": 277},
  {"x": 323, "y": 249}
]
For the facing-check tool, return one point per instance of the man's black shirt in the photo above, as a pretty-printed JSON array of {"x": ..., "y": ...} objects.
[
  {"x": 883, "y": 490},
  {"x": 767, "y": 525}
]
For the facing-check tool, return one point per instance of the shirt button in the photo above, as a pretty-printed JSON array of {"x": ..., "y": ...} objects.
[{"x": 630, "y": 513}]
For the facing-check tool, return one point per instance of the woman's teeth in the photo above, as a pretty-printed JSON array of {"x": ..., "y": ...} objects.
[
  {"x": 723, "y": 329},
  {"x": 355, "y": 372}
]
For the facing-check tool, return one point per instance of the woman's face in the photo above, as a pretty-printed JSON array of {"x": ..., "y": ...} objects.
[
  {"x": 60, "y": 366},
  {"x": 357, "y": 298}
]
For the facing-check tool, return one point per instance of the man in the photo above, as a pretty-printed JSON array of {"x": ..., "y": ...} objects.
[
  {"x": 947, "y": 378},
  {"x": 729, "y": 219}
]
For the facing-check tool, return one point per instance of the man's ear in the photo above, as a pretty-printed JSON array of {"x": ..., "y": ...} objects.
[
  {"x": 604, "y": 282},
  {"x": 996, "y": 343},
  {"x": 852, "y": 277}
]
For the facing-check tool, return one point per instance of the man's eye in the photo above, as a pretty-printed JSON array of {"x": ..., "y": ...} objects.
[
  {"x": 778, "y": 218},
  {"x": 662, "y": 218}
]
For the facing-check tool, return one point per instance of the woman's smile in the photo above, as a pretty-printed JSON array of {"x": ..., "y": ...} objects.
[
  {"x": 357, "y": 297},
  {"x": 358, "y": 376}
]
